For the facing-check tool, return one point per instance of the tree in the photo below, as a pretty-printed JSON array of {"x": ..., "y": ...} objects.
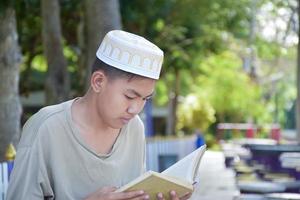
[
  {"x": 230, "y": 90},
  {"x": 57, "y": 84},
  {"x": 10, "y": 58},
  {"x": 298, "y": 79},
  {"x": 195, "y": 113},
  {"x": 185, "y": 30},
  {"x": 100, "y": 17},
  {"x": 277, "y": 51}
]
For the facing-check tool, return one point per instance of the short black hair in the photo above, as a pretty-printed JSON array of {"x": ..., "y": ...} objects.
[{"x": 112, "y": 72}]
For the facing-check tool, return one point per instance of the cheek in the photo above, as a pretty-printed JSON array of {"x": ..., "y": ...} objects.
[
  {"x": 117, "y": 104},
  {"x": 115, "y": 101}
]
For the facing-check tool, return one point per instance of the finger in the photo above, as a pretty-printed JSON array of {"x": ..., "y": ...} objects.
[
  {"x": 186, "y": 196},
  {"x": 144, "y": 197},
  {"x": 127, "y": 195},
  {"x": 173, "y": 195},
  {"x": 108, "y": 189},
  {"x": 160, "y": 196}
]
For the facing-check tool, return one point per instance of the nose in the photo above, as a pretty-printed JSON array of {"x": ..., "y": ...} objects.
[{"x": 136, "y": 107}]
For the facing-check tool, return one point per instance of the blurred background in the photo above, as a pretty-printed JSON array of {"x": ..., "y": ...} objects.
[{"x": 230, "y": 76}]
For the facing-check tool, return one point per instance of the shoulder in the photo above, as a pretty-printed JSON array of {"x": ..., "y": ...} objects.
[
  {"x": 135, "y": 133},
  {"x": 38, "y": 123},
  {"x": 136, "y": 123},
  {"x": 135, "y": 128}
]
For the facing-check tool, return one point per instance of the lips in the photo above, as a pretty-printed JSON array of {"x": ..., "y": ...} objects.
[{"x": 125, "y": 120}]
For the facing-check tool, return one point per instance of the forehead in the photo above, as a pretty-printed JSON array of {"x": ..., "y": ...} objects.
[{"x": 141, "y": 85}]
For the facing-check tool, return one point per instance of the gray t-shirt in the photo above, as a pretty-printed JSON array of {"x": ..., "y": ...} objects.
[{"x": 54, "y": 162}]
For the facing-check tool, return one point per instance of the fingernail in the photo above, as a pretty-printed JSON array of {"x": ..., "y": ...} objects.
[
  {"x": 141, "y": 192},
  {"x": 146, "y": 197},
  {"x": 159, "y": 195},
  {"x": 173, "y": 193}
]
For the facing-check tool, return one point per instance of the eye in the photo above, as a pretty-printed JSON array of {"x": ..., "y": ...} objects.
[{"x": 129, "y": 97}]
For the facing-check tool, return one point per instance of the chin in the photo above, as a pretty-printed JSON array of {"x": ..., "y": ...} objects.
[{"x": 117, "y": 125}]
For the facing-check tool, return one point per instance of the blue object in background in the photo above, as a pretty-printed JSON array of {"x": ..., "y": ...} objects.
[
  {"x": 148, "y": 119},
  {"x": 165, "y": 161},
  {"x": 10, "y": 165},
  {"x": 200, "y": 140}
]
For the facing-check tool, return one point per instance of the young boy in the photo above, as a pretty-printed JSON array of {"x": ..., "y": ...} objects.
[{"x": 87, "y": 147}]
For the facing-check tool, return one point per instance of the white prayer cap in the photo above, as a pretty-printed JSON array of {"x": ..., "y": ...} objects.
[{"x": 131, "y": 53}]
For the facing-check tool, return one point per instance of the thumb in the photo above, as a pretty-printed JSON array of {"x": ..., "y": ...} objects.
[{"x": 107, "y": 189}]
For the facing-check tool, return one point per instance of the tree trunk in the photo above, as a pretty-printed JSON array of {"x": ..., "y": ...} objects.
[
  {"x": 170, "y": 119},
  {"x": 173, "y": 102},
  {"x": 298, "y": 79},
  {"x": 82, "y": 44},
  {"x": 101, "y": 16},
  {"x": 57, "y": 85},
  {"x": 10, "y": 58},
  {"x": 252, "y": 72}
]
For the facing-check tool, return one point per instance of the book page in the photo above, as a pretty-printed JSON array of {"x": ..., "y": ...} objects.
[
  {"x": 187, "y": 167},
  {"x": 153, "y": 183}
]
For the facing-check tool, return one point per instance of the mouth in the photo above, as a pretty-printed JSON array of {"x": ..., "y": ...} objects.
[{"x": 125, "y": 120}]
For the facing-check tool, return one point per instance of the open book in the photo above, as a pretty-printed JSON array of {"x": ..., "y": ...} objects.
[{"x": 179, "y": 177}]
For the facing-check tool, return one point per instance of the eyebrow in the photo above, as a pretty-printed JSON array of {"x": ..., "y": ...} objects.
[{"x": 139, "y": 95}]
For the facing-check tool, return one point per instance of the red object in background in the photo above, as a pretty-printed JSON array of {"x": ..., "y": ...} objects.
[
  {"x": 250, "y": 133},
  {"x": 275, "y": 133}
]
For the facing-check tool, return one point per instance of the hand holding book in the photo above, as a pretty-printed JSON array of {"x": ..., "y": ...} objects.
[{"x": 180, "y": 178}]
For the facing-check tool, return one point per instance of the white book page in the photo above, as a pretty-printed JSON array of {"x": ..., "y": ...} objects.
[{"x": 187, "y": 167}]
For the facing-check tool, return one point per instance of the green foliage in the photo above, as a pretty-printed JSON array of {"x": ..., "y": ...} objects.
[
  {"x": 280, "y": 92},
  {"x": 32, "y": 78},
  {"x": 175, "y": 43},
  {"x": 211, "y": 142},
  {"x": 185, "y": 28},
  {"x": 231, "y": 92},
  {"x": 4, "y": 4},
  {"x": 39, "y": 63},
  {"x": 283, "y": 99},
  {"x": 291, "y": 53},
  {"x": 200, "y": 39},
  {"x": 29, "y": 24},
  {"x": 34, "y": 82},
  {"x": 161, "y": 93},
  {"x": 268, "y": 50},
  {"x": 195, "y": 112},
  {"x": 71, "y": 57}
]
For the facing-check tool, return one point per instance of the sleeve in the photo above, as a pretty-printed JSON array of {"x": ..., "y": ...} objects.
[{"x": 29, "y": 180}]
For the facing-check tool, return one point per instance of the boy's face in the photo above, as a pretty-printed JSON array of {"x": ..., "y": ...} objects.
[{"x": 121, "y": 99}]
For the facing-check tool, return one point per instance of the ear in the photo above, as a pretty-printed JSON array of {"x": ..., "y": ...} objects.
[{"x": 98, "y": 80}]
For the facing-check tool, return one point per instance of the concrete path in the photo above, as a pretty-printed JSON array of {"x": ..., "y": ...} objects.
[{"x": 216, "y": 182}]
